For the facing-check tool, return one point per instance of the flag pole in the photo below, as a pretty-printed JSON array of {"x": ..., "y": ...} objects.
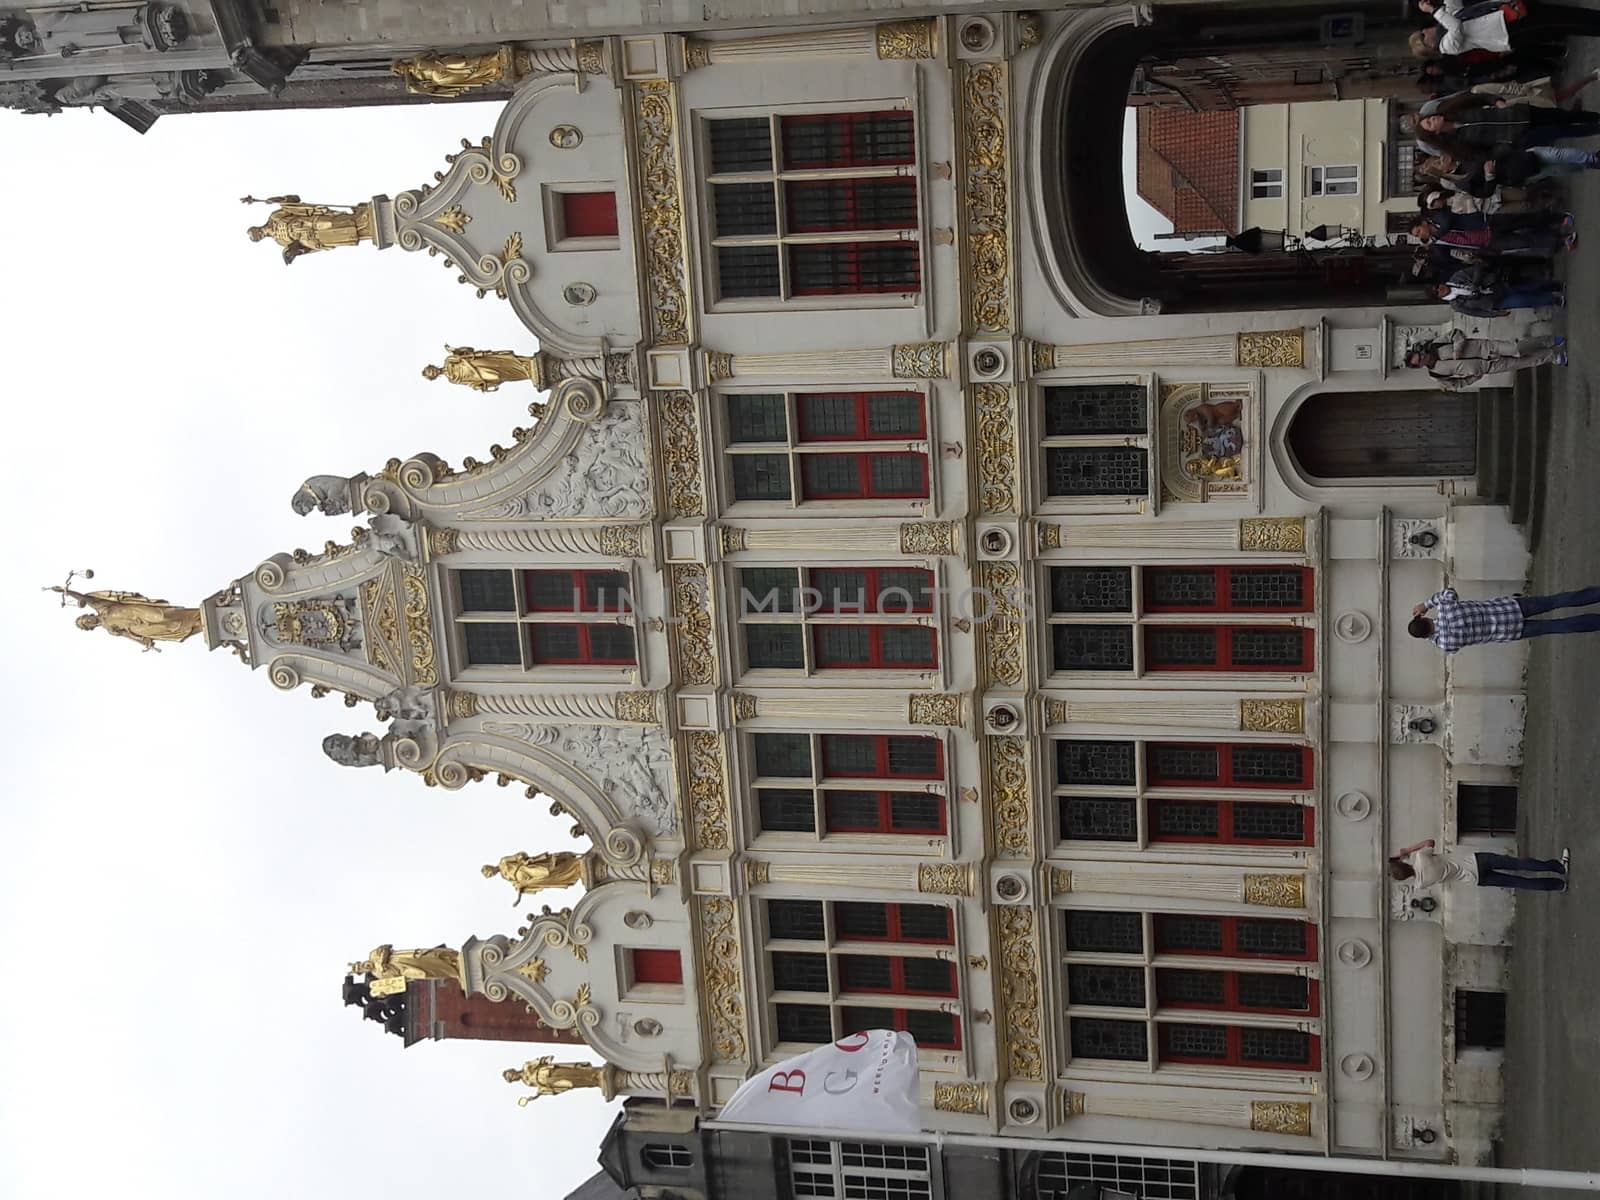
[{"x": 1577, "y": 1181}]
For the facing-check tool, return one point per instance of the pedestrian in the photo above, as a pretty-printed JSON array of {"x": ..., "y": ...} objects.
[
  {"x": 1516, "y": 168},
  {"x": 1431, "y": 869},
  {"x": 1499, "y": 226},
  {"x": 1445, "y": 75},
  {"x": 1458, "y": 623},
  {"x": 1485, "y": 241},
  {"x": 1481, "y": 291},
  {"x": 1461, "y": 361},
  {"x": 1470, "y": 127},
  {"x": 1503, "y": 29}
]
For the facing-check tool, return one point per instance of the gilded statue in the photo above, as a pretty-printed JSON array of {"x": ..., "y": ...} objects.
[
  {"x": 449, "y": 75},
  {"x": 305, "y": 228},
  {"x": 552, "y": 1078},
  {"x": 132, "y": 615},
  {"x": 485, "y": 370},
  {"x": 538, "y": 872},
  {"x": 393, "y": 969},
  {"x": 1213, "y": 467}
]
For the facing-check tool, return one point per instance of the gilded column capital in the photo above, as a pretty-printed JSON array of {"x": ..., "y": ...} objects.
[
  {"x": 719, "y": 366},
  {"x": 443, "y": 541},
  {"x": 1073, "y": 1104},
  {"x": 1281, "y": 1116},
  {"x": 921, "y": 360},
  {"x": 1275, "y": 535},
  {"x": 1274, "y": 348},
  {"x": 944, "y": 879},
  {"x": 460, "y": 705},
  {"x": 963, "y": 1097},
  {"x": 744, "y": 707},
  {"x": 1030, "y": 31},
  {"x": 1275, "y": 891},
  {"x": 908, "y": 39},
  {"x": 756, "y": 872},
  {"x": 1272, "y": 716},
  {"x": 928, "y": 537},
  {"x": 1055, "y": 712},
  {"x": 1060, "y": 881},
  {"x": 733, "y": 538},
  {"x": 696, "y": 54},
  {"x": 621, "y": 541},
  {"x": 638, "y": 708},
  {"x": 936, "y": 708}
]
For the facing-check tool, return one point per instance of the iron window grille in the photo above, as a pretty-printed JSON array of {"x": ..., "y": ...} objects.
[
  {"x": 837, "y": 787},
  {"x": 814, "y": 205},
  {"x": 804, "y": 448},
  {"x": 544, "y": 618},
  {"x": 842, "y": 967},
  {"x": 1196, "y": 793}
]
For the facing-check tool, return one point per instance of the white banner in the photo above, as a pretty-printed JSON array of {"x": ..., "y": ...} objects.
[{"x": 866, "y": 1081}]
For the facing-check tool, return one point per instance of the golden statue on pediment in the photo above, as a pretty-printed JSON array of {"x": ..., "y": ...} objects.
[
  {"x": 394, "y": 969},
  {"x": 307, "y": 228},
  {"x": 132, "y": 615},
  {"x": 449, "y": 75},
  {"x": 551, "y": 1078},
  {"x": 486, "y": 370},
  {"x": 538, "y": 872}
]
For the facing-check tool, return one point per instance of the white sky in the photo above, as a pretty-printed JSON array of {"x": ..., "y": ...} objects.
[{"x": 185, "y": 876}]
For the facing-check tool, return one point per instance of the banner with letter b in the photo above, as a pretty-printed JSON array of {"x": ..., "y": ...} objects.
[{"x": 865, "y": 1081}]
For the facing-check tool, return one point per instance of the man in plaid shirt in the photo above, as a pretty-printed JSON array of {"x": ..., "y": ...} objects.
[{"x": 1457, "y": 622}]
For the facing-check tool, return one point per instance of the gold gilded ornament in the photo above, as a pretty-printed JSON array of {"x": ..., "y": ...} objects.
[
  {"x": 944, "y": 879},
  {"x": 392, "y": 969},
  {"x": 132, "y": 615},
  {"x": 1272, "y": 716},
  {"x": 1275, "y": 891},
  {"x": 1281, "y": 1116},
  {"x": 970, "y": 1098},
  {"x": 550, "y": 1078},
  {"x": 680, "y": 454},
  {"x": 486, "y": 370},
  {"x": 449, "y": 75},
  {"x": 708, "y": 792},
  {"x": 921, "y": 360},
  {"x": 1009, "y": 797},
  {"x": 537, "y": 873},
  {"x": 724, "y": 991},
  {"x": 936, "y": 708},
  {"x": 693, "y": 633},
  {"x": 1274, "y": 535},
  {"x": 997, "y": 449},
  {"x": 638, "y": 708},
  {"x": 928, "y": 537},
  {"x": 1019, "y": 992},
  {"x": 983, "y": 97},
  {"x": 661, "y": 213},
  {"x": 307, "y": 228},
  {"x": 907, "y": 39},
  {"x": 1277, "y": 348}
]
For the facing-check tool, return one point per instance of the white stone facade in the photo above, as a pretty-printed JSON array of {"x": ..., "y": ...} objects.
[{"x": 1038, "y": 451}]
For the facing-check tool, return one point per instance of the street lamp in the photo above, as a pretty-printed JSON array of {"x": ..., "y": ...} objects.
[{"x": 1256, "y": 240}]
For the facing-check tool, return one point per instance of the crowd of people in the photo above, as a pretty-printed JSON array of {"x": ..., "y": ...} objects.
[{"x": 1490, "y": 148}]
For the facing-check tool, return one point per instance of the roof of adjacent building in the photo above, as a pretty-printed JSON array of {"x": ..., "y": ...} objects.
[
  {"x": 1188, "y": 167},
  {"x": 600, "y": 1186}
]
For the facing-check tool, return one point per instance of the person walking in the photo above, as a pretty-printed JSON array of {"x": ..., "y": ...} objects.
[
  {"x": 1461, "y": 361},
  {"x": 1435, "y": 228},
  {"x": 1471, "y": 127},
  {"x": 1481, "y": 290},
  {"x": 1515, "y": 26},
  {"x": 1458, "y": 623},
  {"x": 1431, "y": 869}
]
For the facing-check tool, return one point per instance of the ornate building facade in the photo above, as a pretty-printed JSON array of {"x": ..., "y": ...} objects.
[{"x": 920, "y": 632}]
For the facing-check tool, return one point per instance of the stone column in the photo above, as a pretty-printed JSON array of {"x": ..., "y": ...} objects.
[
  {"x": 1224, "y": 714},
  {"x": 1260, "y": 1116},
  {"x": 831, "y": 707},
  {"x": 1267, "y": 535},
  {"x": 924, "y": 538},
  {"x": 891, "y": 40},
  {"x": 1183, "y": 882},
  {"x": 915, "y": 360},
  {"x": 1276, "y": 348},
  {"x": 875, "y": 875},
  {"x": 602, "y": 541}
]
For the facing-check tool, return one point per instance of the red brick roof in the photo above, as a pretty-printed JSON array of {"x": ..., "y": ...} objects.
[{"x": 1189, "y": 167}]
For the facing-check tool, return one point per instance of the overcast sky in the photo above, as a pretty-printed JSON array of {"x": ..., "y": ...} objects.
[{"x": 185, "y": 875}]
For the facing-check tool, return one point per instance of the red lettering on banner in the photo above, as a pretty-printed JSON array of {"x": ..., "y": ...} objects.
[
  {"x": 848, "y": 1048},
  {"x": 781, "y": 1082}
]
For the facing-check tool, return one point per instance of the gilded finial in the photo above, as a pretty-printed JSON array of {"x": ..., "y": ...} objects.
[
  {"x": 306, "y": 228},
  {"x": 130, "y": 615},
  {"x": 486, "y": 370},
  {"x": 530, "y": 874}
]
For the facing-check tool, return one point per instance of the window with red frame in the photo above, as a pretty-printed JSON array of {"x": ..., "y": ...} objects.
[
  {"x": 824, "y": 983},
  {"x": 1282, "y": 589},
  {"x": 512, "y": 618},
  {"x": 833, "y": 453},
  {"x": 589, "y": 214},
  {"x": 797, "y": 776},
  {"x": 1229, "y": 822},
  {"x": 849, "y": 618},
  {"x": 1239, "y": 1046},
  {"x": 1236, "y": 991},
  {"x": 1234, "y": 937},
  {"x": 1227, "y": 647},
  {"x": 656, "y": 966},
  {"x": 827, "y": 174},
  {"x": 1227, "y": 764}
]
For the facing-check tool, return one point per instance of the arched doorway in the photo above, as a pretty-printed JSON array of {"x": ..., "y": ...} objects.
[
  {"x": 1212, "y": 58},
  {"x": 1394, "y": 435}
]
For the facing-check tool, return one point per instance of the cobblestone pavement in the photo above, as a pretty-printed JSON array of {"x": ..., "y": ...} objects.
[{"x": 1553, "y": 1035}]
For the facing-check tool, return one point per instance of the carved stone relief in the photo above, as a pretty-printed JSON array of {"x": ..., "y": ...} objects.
[{"x": 631, "y": 765}]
